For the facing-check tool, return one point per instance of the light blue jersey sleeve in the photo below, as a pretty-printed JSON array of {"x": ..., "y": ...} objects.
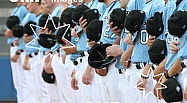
[
  {"x": 28, "y": 17},
  {"x": 140, "y": 51},
  {"x": 19, "y": 11},
  {"x": 34, "y": 46},
  {"x": 107, "y": 35},
  {"x": 123, "y": 48}
]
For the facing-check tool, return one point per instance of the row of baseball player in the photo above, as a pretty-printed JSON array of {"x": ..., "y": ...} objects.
[{"x": 127, "y": 51}]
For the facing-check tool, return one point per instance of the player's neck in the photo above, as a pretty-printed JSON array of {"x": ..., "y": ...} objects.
[
  {"x": 54, "y": 6},
  {"x": 64, "y": 5},
  {"x": 108, "y": 2},
  {"x": 38, "y": 11},
  {"x": 87, "y": 1}
]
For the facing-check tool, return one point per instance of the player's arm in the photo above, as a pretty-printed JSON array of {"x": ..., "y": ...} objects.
[
  {"x": 70, "y": 50},
  {"x": 159, "y": 69},
  {"x": 117, "y": 41},
  {"x": 144, "y": 77},
  {"x": 125, "y": 58}
]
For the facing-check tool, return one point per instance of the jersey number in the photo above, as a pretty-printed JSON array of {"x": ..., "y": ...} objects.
[
  {"x": 107, "y": 30},
  {"x": 144, "y": 36}
]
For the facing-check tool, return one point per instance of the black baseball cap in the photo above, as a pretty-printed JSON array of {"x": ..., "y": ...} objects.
[
  {"x": 134, "y": 20},
  {"x": 28, "y": 30},
  {"x": 52, "y": 26},
  {"x": 94, "y": 30},
  {"x": 98, "y": 58},
  {"x": 43, "y": 20},
  {"x": 48, "y": 78},
  {"x": 77, "y": 13},
  {"x": 118, "y": 17},
  {"x": 173, "y": 91},
  {"x": 60, "y": 34},
  {"x": 90, "y": 15},
  {"x": 11, "y": 21},
  {"x": 18, "y": 30},
  {"x": 47, "y": 40},
  {"x": 66, "y": 17},
  {"x": 154, "y": 25},
  {"x": 177, "y": 23},
  {"x": 157, "y": 51}
]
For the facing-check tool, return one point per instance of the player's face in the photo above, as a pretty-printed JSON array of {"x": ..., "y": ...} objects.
[
  {"x": 48, "y": 3},
  {"x": 123, "y": 3},
  {"x": 31, "y": 7},
  {"x": 45, "y": 9}
]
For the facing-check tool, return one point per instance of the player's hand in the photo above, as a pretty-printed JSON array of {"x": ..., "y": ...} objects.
[
  {"x": 114, "y": 50},
  {"x": 15, "y": 58},
  {"x": 8, "y": 33},
  {"x": 63, "y": 57},
  {"x": 141, "y": 84},
  {"x": 27, "y": 38},
  {"x": 173, "y": 47},
  {"x": 83, "y": 24},
  {"x": 74, "y": 83},
  {"x": 128, "y": 39},
  {"x": 157, "y": 91},
  {"x": 185, "y": 93},
  {"x": 91, "y": 43},
  {"x": 26, "y": 65},
  {"x": 150, "y": 40},
  {"x": 16, "y": 42},
  {"x": 125, "y": 64},
  {"x": 73, "y": 32},
  {"x": 43, "y": 31},
  {"x": 87, "y": 76},
  {"x": 114, "y": 29}
]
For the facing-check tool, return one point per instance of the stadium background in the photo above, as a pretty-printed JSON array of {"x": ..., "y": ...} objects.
[{"x": 7, "y": 91}]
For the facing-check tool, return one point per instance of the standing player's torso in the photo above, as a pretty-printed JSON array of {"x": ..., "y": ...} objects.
[
  {"x": 140, "y": 51},
  {"x": 107, "y": 35}
]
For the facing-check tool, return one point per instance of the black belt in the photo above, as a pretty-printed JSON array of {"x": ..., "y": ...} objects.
[
  {"x": 84, "y": 53},
  {"x": 33, "y": 54},
  {"x": 138, "y": 64},
  {"x": 12, "y": 44},
  {"x": 76, "y": 62},
  {"x": 121, "y": 71}
]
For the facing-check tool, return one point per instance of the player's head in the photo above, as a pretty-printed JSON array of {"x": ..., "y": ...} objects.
[
  {"x": 123, "y": 3},
  {"x": 34, "y": 6},
  {"x": 51, "y": 4},
  {"x": 45, "y": 9}
]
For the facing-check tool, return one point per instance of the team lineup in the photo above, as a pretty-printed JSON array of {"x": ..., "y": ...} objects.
[{"x": 99, "y": 51}]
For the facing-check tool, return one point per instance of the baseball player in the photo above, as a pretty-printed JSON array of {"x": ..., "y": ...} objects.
[
  {"x": 54, "y": 10},
  {"x": 83, "y": 74},
  {"x": 60, "y": 70},
  {"x": 108, "y": 82},
  {"x": 31, "y": 59},
  {"x": 173, "y": 64},
  {"x": 17, "y": 72},
  {"x": 126, "y": 92},
  {"x": 29, "y": 17},
  {"x": 159, "y": 69},
  {"x": 139, "y": 55}
]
